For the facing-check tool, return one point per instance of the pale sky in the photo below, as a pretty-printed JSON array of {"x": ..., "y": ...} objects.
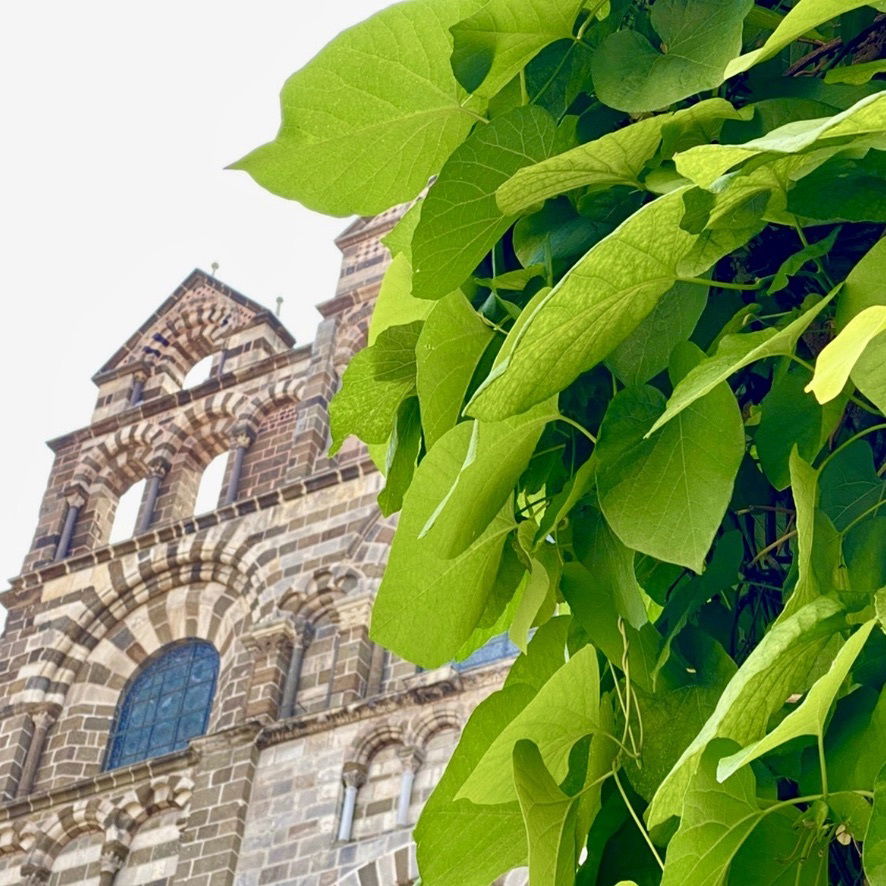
[{"x": 118, "y": 121}]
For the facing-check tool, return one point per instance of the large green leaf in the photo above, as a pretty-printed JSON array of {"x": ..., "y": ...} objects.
[
  {"x": 850, "y": 485},
  {"x": 706, "y": 163},
  {"x": 842, "y": 189},
  {"x": 427, "y": 606},
  {"x": 495, "y": 43},
  {"x": 779, "y": 665},
  {"x": 804, "y": 17},
  {"x": 378, "y": 379},
  {"x": 565, "y": 709},
  {"x": 839, "y": 357},
  {"x": 497, "y": 454},
  {"x": 716, "y": 819},
  {"x": 647, "y": 350},
  {"x": 665, "y": 495},
  {"x": 550, "y": 818},
  {"x": 460, "y": 220},
  {"x": 875, "y": 837},
  {"x": 450, "y": 830},
  {"x": 395, "y": 305},
  {"x": 571, "y": 328},
  {"x": 364, "y": 124},
  {"x": 733, "y": 353},
  {"x": 449, "y": 346},
  {"x": 697, "y": 40},
  {"x": 401, "y": 455},
  {"x": 809, "y": 717}
]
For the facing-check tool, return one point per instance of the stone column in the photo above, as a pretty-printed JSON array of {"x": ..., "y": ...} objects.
[
  {"x": 152, "y": 492},
  {"x": 112, "y": 860},
  {"x": 241, "y": 441},
  {"x": 411, "y": 759},
  {"x": 350, "y": 678},
  {"x": 353, "y": 777},
  {"x": 272, "y": 645},
  {"x": 76, "y": 498},
  {"x": 304, "y": 633},
  {"x": 42, "y": 720},
  {"x": 139, "y": 377}
]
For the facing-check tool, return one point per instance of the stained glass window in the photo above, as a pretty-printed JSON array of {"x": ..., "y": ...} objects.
[
  {"x": 166, "y": 705},
  {"x": 494, "y": 649}
]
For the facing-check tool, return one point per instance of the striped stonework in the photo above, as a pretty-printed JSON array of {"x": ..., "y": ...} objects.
[{"x": 279, "y": 577}]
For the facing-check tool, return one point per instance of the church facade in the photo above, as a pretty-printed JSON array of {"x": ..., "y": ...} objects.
[{"x": 199, "y": 702}]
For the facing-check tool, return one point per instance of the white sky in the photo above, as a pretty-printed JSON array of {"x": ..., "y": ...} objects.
[{"x": 118, "y": 120}]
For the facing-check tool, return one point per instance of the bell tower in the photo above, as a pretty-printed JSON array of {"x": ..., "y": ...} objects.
[{"x": 188, "y": 692}]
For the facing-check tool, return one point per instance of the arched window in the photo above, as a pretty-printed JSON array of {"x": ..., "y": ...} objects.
[
  {"x": 209, "y": 492},
  {"x": 126, "y": 513},
  {"x": 198, "y": 373},
  {"x": 167, "y": 704}
]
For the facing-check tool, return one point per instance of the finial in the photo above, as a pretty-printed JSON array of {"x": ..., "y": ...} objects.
[
  {"x": 214, "y": 267},
  {"x": 279, "y": 304}
]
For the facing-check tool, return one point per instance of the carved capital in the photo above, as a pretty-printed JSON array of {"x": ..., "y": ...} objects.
[
  {"x": 75, "y": 495},
  {"x": 140, "y": 375},
  {"x": 158, "y": 467},
  {"x": 353, "y": 775},
  {"x": 410, "y": 758},
  {"x": 242, "y": 436},
  {"x": 113, "y": 857}
]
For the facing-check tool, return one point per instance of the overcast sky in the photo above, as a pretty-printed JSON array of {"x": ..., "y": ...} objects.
[{"x": 118, "y": 121}]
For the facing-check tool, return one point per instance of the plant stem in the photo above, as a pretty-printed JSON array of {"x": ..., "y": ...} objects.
[
  {"x": 849, "y": 442},
  {"x": 578, "y": 427},
  {"x": 776, "y": 544},
  {"x": 864, "y": 514},
  {"x": 637, "y": 821},
  {"x": 823, "y": 765},
  {"x": 719, "y": 284}
]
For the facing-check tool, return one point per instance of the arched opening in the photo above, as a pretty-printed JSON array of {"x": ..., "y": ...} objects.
[
  {"x": 166, "y": 705},
  {"x": 376, "y": 810},
  {"x": 199, "y": 372},
  {"x": 79, "y": 860},
  {"x": 126, "y": 512},
  {"x": 211, "y": 487}
]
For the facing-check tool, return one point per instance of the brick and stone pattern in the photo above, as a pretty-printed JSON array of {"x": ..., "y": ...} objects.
[{"x": 279, "y": 578}]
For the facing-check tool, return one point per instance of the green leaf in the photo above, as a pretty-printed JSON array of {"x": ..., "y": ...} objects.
[
  {"x": 378, "y": 379},
  {"x": 371, "y": 116},
  {"x": 856, "y": 74},
  {"x": 399, "y": 239},
  {"x": 875, "y": 838},
  {"x": 850, "y": 485},
  {"x": 808, "y": 718},
  {"x": 838, "y": 358},
  {"x": 716, "y": 819},
  {"x": 697, "y": 40},
  {"x": 665, "y": 494},
  {"x": 596, "y": 306},
  {"x": 843, "y": 189},
  {"x": 734, "y": 352},
  {"x": 447, "y": 352},
  {"x": 796, "y": 262},
  {"x": 427, "y": 606},
  {"x": 495, "y": 43},
  {"x": 537, "y": 590},
  {"x": 565, "y": 709},
  {"x": 451, "y": 830},
  {"x": 558, "y": 74},
  {"x": 549, "y": 816},
  {"x": 864, "y": 548},
  {"x": 779, "y": 665},
  {"x": 497, "y": 454},
  {"x": 394, "y": 304},
  {"x": 855, "y": 740},
  {"x": 647, "y": 350},
  {"x": 706, "y": 163},
  {"x": 804, "y": 17},
  {"x": 460, "y": 220},
  {"x": 402, "y": 452}
]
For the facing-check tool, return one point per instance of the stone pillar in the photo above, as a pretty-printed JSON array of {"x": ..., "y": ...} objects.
[
  {"x": 213, "y": 830},
  {"x": 241, "y": 441},
  {"x": 303, "y": 634},
  {"x": 350, "y": 678},
  {"x": 112, "y": 860},
  {"x": 42, "y": 720},
  {"x": 152, "y": 493},
  {"x": 139, "y": 377},
  {"x": 411, "y": 759},
  {"x": 272, "y": 645},
  {"x": 76, "y": 498},
  {"x": 16, "y": 731},
  {"x": 353, "y": 777}
]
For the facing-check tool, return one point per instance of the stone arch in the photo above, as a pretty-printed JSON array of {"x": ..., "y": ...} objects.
[
  {"x": 135, "y": 807},
  {"x": 251, "y": 412},
  {"x": 428, "y": 723},
  {"x": 208, "y": 611},
  {"x": 396, "y": 868},
  {"x": 372, "y": 739}
]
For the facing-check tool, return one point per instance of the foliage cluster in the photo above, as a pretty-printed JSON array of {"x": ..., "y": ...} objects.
[{"x": 626, "y": 378}]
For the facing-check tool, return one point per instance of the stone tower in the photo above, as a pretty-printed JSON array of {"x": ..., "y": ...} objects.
[{"x": 198, "y": 702}]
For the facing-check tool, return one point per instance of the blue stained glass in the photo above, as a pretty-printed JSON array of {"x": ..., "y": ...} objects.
[
  {"x": 167, "y": 704},
  {"x": 497, "y": 648}
]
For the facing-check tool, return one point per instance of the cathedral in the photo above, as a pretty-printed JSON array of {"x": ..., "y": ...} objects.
[{"x": 193, "y": 698}]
